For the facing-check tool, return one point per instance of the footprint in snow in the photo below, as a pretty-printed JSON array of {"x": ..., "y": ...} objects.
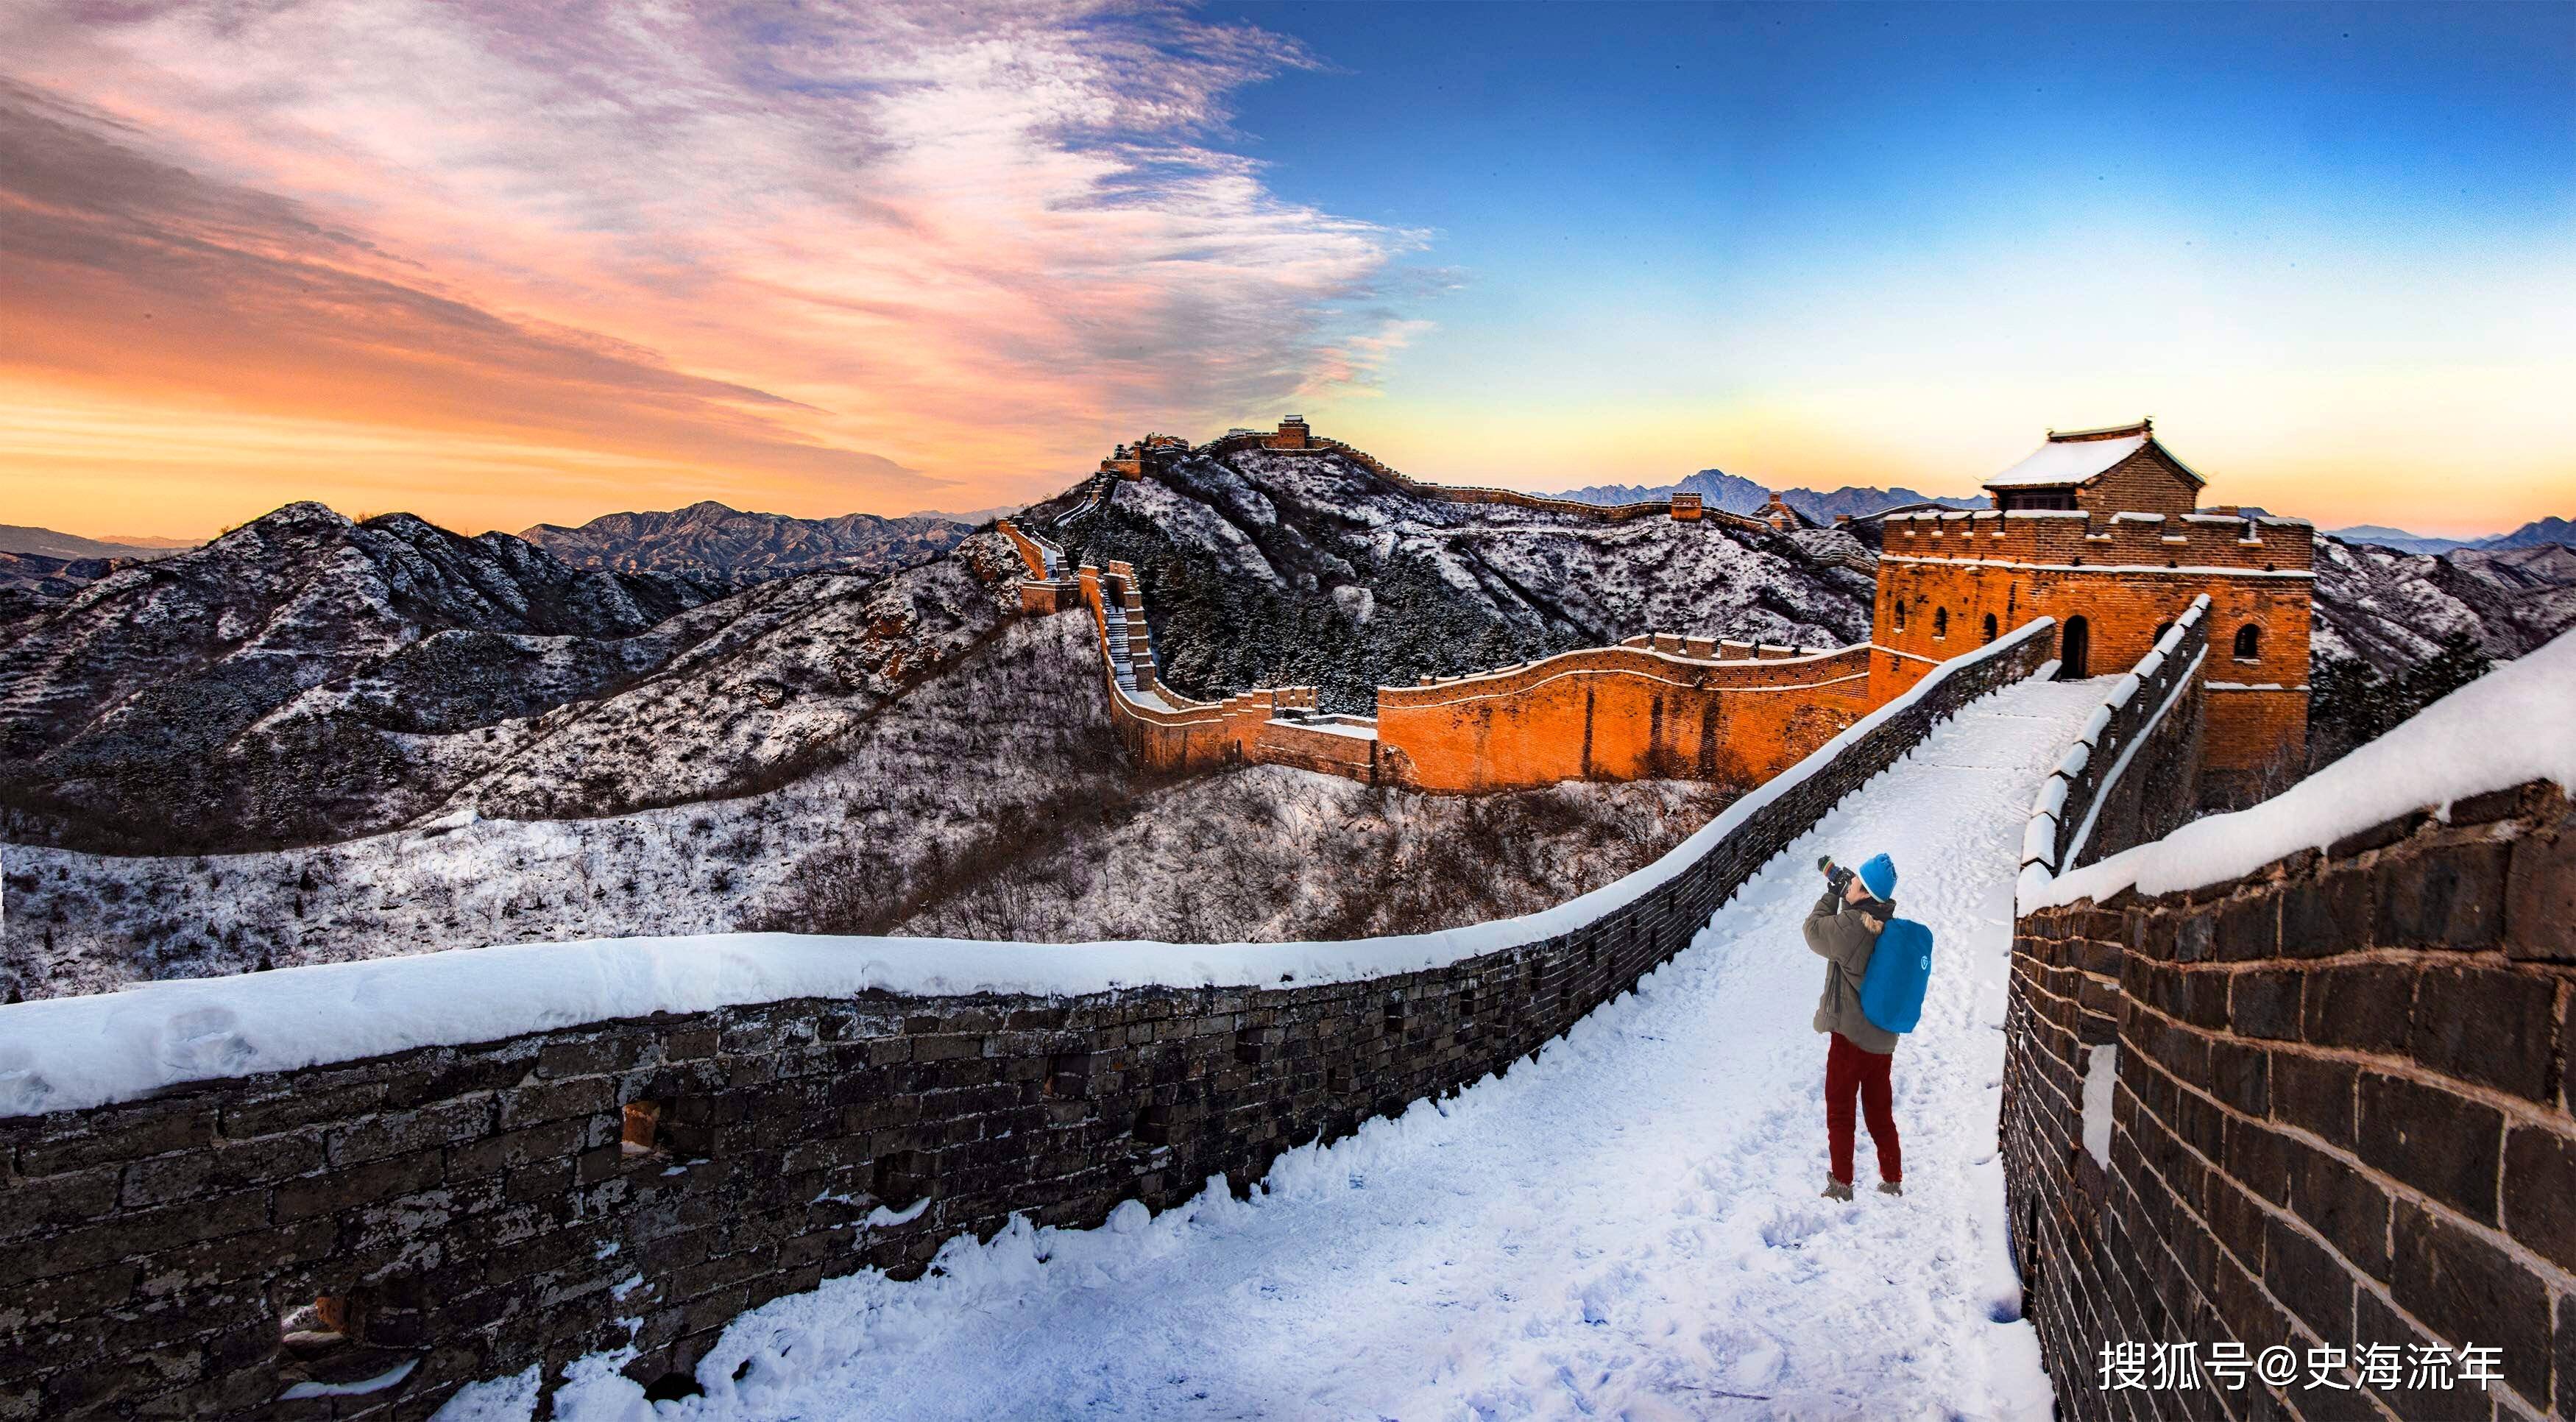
[
  {"x": 1790, "y": 1228},
  {"x": 205, "y": 1042}
]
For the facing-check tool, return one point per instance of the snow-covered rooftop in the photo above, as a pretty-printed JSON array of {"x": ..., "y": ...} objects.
[
  {"x": 2506, "y": 728},
  {"x": 2066, "y": 461}
]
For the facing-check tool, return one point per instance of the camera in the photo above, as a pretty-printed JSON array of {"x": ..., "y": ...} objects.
[{"x": 1836, "y": 876}]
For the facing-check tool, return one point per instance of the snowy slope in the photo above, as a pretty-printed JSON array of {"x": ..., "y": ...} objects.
[
  {"x": 2392, "y": 609},
  {"x": 1625, "y": 1226}
]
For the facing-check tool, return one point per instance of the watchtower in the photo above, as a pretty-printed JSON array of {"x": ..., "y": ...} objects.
[{"x": 2102, "y": 530}]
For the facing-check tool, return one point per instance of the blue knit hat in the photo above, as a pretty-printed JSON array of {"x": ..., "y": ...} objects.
[{"x": 1879, "y": 877}]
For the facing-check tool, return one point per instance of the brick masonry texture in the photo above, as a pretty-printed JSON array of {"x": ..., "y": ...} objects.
[
  {"x": 474, "y": 1210},
  {"x": 2341, "y": 1117}
]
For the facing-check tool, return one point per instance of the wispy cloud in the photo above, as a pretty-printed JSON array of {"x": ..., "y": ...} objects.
[{"x": 826, "y": 251}]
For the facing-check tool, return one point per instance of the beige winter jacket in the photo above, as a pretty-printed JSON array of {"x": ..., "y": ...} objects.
[{"x": 1843, "y": 934}]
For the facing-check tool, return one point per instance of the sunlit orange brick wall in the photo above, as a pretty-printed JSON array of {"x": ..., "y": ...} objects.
[{"x": 1615, "y": 713}]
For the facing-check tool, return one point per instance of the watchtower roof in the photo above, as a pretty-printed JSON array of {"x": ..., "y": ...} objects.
[{"x": 2073, "y": 457}]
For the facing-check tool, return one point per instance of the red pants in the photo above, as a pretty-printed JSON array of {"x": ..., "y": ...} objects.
[{"x": 1849, "y": 1071}]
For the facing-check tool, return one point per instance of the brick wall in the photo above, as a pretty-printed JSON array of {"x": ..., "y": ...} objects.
[
  {"x": 2340, "y": 1118},
  {"x": 1621, "y": 713},
  {"x": 473, "y": 1209}
]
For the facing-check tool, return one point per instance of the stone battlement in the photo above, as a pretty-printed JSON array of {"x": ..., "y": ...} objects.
[
  {"x": 2067, "y": 539},
  {"x": 2116, "y": 580}
]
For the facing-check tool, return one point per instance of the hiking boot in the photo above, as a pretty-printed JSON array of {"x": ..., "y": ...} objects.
[
  {"x": 1891, "y": 1187},
  {"x": 1837, "y": 1189}
]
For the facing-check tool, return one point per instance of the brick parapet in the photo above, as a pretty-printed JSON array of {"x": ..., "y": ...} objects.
[
  {"x": 1621, "y": 713},
  {"x": 2148, "y": 727},
  {"x": 474, "y": 1209},
  {"x": 2340, "y": 1117},
  {"x": 2063, "y": 540}
]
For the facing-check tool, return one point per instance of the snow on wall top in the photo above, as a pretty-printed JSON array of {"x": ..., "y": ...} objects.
[
  {"x": 2506, "y": 728},
  {"x": 2067, "y": 462},
  {"x": 70, "y": 1053}
]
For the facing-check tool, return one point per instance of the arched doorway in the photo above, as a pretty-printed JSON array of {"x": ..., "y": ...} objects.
[{"x": 2073, "y": 646}]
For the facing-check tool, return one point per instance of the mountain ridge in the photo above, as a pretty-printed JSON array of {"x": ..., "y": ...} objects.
[
  {"x": 709, "y": 536},
  {"x": 71, "y": 547},
  {"x": 2540, "y": 532},
  {"x": 1737, "y": 494}
]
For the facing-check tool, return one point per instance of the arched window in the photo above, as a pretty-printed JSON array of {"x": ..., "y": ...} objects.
[
  {"x": 1900, "y": 614},
  {"x": 2249, "y": 643},
  {"x": 1940, "y": 622},
  {"x": 2161, "y": 629},
  {"x": 1990, "y": 627}
]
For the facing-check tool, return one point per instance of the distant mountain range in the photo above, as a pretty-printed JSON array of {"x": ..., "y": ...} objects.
[
  {"x": 46, "y": 543},
  {"x": 1720, "y": 489},
  {"x": 972, "y": 518},
  {"x": 708, "y": 537},
  {"x": 2535, "y": 534}
]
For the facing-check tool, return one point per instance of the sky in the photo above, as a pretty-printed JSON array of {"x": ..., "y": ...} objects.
[{"x": 506, "y": 264}]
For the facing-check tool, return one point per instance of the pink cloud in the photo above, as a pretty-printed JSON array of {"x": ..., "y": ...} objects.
[{"x": 964, "y": 240}]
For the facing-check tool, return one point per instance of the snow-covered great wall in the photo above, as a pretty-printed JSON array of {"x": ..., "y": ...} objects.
[
  {"x": 2299, "y": 1078},
  {"x": 458, "y": 1166}
]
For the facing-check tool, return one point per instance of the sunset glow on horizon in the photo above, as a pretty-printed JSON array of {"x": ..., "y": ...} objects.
[{"x": 505, "y": 265}]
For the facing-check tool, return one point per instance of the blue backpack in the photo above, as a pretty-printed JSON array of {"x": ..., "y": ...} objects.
[{"x": 1891, "y": 991}]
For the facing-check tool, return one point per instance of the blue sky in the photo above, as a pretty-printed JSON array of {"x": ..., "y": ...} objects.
[
  {"x": 1648, "y": 208},
  {"x": 503, "y": 264}
]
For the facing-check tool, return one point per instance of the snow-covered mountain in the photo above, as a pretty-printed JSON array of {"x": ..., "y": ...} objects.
[
  {"x": 1271, "y": 568},
  {"x": 2391, "y": 609},
  {"x": 477, "y": 744},
  {"x": 1738, "y": 495},
  {"x": 708, "y": 537},
  {"x": 308, "y": 678},
  {"x": 466, "y": 740}
]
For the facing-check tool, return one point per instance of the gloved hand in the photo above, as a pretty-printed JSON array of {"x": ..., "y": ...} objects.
[{"x": 1836, "y": 876}]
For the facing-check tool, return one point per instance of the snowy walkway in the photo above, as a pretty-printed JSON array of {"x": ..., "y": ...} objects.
[{"x": 1627, "y": 1228}]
